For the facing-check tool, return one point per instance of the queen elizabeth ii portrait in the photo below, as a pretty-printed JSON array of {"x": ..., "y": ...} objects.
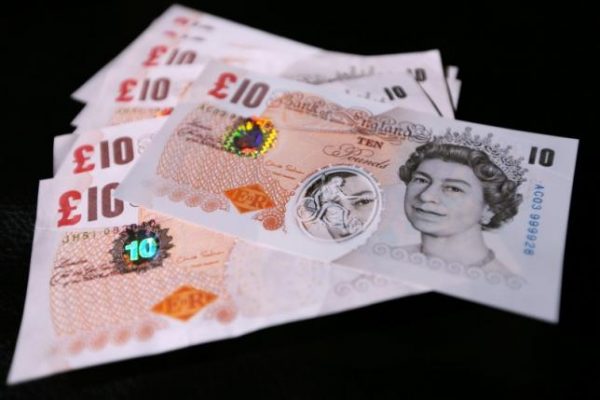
[{"x": 457, "y": 186}]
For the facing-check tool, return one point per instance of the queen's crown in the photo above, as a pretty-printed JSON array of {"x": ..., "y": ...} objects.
[{"x": 498, "y": 155}]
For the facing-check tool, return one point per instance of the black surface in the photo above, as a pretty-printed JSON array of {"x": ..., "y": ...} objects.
[{"x": 525, "y": 70}]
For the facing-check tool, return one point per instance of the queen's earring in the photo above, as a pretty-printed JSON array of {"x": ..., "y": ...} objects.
[{"x": 487, "y": 216}]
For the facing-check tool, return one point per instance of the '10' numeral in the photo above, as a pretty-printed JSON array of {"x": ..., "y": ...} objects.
[
  {"x": 154, "y": 89},
  {"x": 251, "y": 95},
  {"x": 110, "y": 207},
  {"x": 122, "y": 153},
  {"x": 145, "y": 249},
  {"x": 395, "y": 92},
  {"x": 546, "y": 157}
]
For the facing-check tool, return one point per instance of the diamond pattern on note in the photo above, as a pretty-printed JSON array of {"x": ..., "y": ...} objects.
[
  {"x": 184, "y": 303},
  {"x": 249, "y": 198}
]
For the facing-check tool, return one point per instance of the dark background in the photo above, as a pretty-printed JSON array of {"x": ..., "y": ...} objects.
[{"x": 529, "y": 70}]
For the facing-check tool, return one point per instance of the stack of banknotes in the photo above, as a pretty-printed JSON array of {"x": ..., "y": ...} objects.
[{"x": 222, "y": 179}]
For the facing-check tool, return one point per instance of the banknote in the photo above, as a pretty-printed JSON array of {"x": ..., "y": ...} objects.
[
  {"x": 425, "y": 67},
  {"x": 160, "y": 50},
  {"x": 127, "y": 95},
  {"x": 185, "y": 36},
  {"x": 130, "y": 93},
  {"x": 471, "y": 210},
  {"x": 110, "y": 280},
  {"x": 182, "y": 35},
  {"x": 454, "y": 84},
  {"x": 60, "y": 148},
  {"x": 399, "y": 89},
  {"x": 110, "y": 148}
]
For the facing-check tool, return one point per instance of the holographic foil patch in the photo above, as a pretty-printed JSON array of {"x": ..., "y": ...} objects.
[
  {"x": 141, "y": 247},
  {"x": 251, "y": 138}
]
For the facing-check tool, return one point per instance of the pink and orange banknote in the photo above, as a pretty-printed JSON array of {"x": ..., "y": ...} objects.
[
  {"x": 111, "y": 280},
  {"x": 469, "y": 210}
]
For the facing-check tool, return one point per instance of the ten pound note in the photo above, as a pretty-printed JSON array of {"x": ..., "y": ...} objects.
[
  {"x": 110, "y": 280},
  {"x": 470, "y": 210}
]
